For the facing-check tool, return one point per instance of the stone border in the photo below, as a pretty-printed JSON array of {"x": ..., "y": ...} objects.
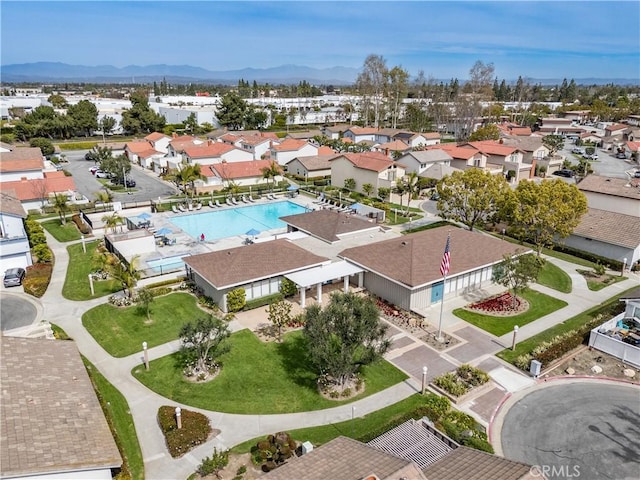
[{"x": 474, "y": 392}]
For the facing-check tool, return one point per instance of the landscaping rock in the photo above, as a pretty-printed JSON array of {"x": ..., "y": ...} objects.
[
  {"x": 596, "y": 369},
  {"x": 570, "y": 371},
  {"x": 628, "y": 372}
]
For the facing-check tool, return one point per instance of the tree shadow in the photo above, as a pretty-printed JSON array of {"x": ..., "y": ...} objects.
[
  {"x": 627, "y": 438},
  {"x": 296, "y": 364}
]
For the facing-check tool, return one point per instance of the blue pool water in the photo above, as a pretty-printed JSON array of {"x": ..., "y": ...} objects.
[
  {"x": 167, "y": 264},
  {"x": 216, "y": 224}
]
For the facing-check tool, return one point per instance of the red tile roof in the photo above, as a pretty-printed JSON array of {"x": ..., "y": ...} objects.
[
  {"x": 491, "y": 147},
  {"x": 290, "y": 144},
  {"x": 21, "y": 159},
  {"x": 374, "y": 161},
  {"x": 55, "y": 182},
  {"x": 155, "y": 136},
  {"x": 230, "y": 170},
  {"x": 208, "y": 150},
  {"x": 363, "y": 130},
  {"x": 325, "y": 150},
  {"x": 464, "y": 153},
  {"x": 396, "y": 145}
]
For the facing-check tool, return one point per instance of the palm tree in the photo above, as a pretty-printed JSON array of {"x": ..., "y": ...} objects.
[
  {"x": 127, "y": 275},
  {"x": 60, "y": 203},
  {"x": 112, "y": 221},
  {"x": 191, "y": 173},
  {"x": 270, "y": 172},
  {"x": 400, "y": 189},
  {"x": 104, "y": 196},
  {"x": 413, "y": 187}
]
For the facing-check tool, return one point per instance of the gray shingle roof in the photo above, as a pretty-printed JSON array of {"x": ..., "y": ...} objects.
[
  {"x": 240, "y": 265},
  {"x": 618, "y": 187},
  {"x": 468, "y": 464},
  {"x": 610, "y": 227},
  {"x": 50, "y": 418},
  {"x": 414, "y": 259},
  {"x": 9, "y": 204}
]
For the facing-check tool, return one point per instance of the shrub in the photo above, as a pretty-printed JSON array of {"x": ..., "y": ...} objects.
[
  {"x": 288, "y": 288},
  {"x": 43, "y": 253},
  {"x": 37, "y": 279},
  {"x": 212, "y": 465},
  {"x": 37, "y": 238},
  {"x": 274, "y": 450},
  {"x": 450, "y": 383},
  {"x": 262, "y": 301},
  {"x": 83, "y": 227},
  {"x": 195, "y": 430},
  {"x": 435, "y": 406},
  {"x": 157, "y": 292},
  {"x": 236, "y": 300}
]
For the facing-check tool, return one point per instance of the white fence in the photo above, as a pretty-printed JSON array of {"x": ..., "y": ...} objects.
[{"x": 601, "y": 339}]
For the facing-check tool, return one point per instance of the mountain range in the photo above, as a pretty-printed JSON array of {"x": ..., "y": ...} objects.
[{"x": 55, "y": 72}]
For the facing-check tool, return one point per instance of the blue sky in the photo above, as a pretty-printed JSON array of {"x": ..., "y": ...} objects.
[{"x": 541, "y": 39}]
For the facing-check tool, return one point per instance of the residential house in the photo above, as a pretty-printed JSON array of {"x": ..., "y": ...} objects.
[
  {"x": 590, "y": 137},
  {"x": 463, "y": 157},
  {"x": 179, "y": 143},
  {"x": 143, "y": 153},
  {"x": 577, "y": 116},
  {"x": 405, "y": 271},
  {"x": 418, "y": 139},
  {"x": 309, "y": 135},
  {"x": 290, "y": 149},
  {"x": 214, "y": 152},
  {"x": 245, "y": 174},
  {"x": 258, "y": 145},
  {"x": 612, "y": 194},
  {"x": 534, "y": 153},
  {"x": 608, "y": 234},
  {"x": 420, "y": 160},
  {"x": 14, "y": 244},
  {"x": 159, "y": 141},
  {"x": 312, "y": 166},
  {"x": 614, "y": 137},
  {"x": 558, "y": 126},
  {"x": 335, "y": 132},
  {"x": 36, "y": 193},
  {"x": 509, "y": 157},
  {"x": 22, "y": 162},
  {"x": 372, "y": 168},
  {"x": 257, "y": 268},
  {"x": 51, "y": 422},
  {"x": 438, "y": 171},
  {"x": 358, "y": 134},
  {"x": 392, "y": 149}
]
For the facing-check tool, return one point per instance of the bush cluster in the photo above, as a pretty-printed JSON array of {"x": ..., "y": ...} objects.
[
  {"x": 262, "y": 301},
  {"x": 159, "y": 291},
  {"x": 83, "y": 227},
  {"x": 37, "y": 279},
  {"x": 462, "y": 380},
  {"x": 274, "y": 450},
  {"x": 236, "y": 300},
  {"x": 195, "y": 430}
]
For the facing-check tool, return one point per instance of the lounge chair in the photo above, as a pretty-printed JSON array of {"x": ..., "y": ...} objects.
[
  {"x": 251, "y": 200},
  {"x": 243, "y": 199},
  {"x": 174, "y": 209},
  {"x": 218, "y": 204},
  {"x": 191, "y": 207},
  {"x": 181, "y": 208},
  {"x": 198, "y": 206},
  {"x": 234, "y": 201},
  {"x": 211, "y": 205}
]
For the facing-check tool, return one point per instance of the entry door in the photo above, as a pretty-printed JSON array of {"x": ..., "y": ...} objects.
[{"x": 437, "y": 289}]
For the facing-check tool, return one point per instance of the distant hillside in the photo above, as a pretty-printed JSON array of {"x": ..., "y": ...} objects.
[
  {"x": 62, "y": 72},
  {"x": 54, "y": 72}
]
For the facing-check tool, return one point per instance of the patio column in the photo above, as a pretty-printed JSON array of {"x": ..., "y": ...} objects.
[
  {"x": 319, "y": 294},
  {"x": 303, "y": 296},
  {"x": 346, "y": 284},
  {"x": 360, "y": 279}
]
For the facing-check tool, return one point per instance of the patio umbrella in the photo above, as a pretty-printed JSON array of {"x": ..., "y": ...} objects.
[
  {"x": 145, "y": 216},
  {"x": 164, "y": 231},
  {"x": 253, "y": 232},
  {"x": 291, "y": 188}
]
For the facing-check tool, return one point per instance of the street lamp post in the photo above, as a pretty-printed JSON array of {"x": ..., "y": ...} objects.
[
  {"x": 424, "y": 378},
  {"x": 624, "y": 265},
  {"x": 91, "y": 285},
  {"x": 179, "y": 417},
  {"x": 146, "y": 355}
]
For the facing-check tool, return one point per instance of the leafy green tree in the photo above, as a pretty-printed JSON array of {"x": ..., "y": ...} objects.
[
  {"x": 344, "y": 336},
  {"x": 546, "y": 211},
  {"x": 107, "y": 124},
  {"x": 84, "y": 115},
  {"x": 383, "y": 193},
  {"x": 144, "y": 299},
  {"x": 553, "y": 142},
  {"x": 44, "y": 144},
  {"x": 473, "y": 196},
  {"x": 398, "y": 85},
  {"x": 140, "y": 118},
  {"x": 417, "y": 118},
  {"x": 191, "y": 124},
  {"x": 255, "y": 118},
  {"x": 58, "y": 101},
  {"x": 104, "y": 196},
  {"x": 203, "y": 342},
  {"x": 350, "y": 183},
  {"x": 99, "y": 154},
  {"x": 367, "y": 188},
  {"x": 279, "y": 314},
  {"x": 127, "y": 274},
  {"x": 487, "y": 132},
  {"x": 517, "y": 272},
  {"x": 400, "y": 188},
  {"x": 232, "y": 110},
  {"x": 271, "y": 172},
  {"x": 118, "y": 167},
  {"x": 214, "y": 464},
  {"x": 61, "y": 206}
]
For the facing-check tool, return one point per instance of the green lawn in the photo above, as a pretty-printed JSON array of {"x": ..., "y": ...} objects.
[
  {"x": 62, "y": 233},
  {"x": 539, "y": 306},
  {"x": 258, "y": 377},
  {"x": 351, "y": 428},
  {"x": 76, "y": 284},
  {"x": 554, "y": 277},
  {"x": 596, "y": 283},
  {"x": 116, "y": 410},
  {"x": 607, "y": 309},
  {"x": 121, "y": 331}
]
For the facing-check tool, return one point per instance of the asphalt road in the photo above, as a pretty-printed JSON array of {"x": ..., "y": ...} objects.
[
  {"x": 148, "y": 185},
  {"x": 15, "y": 312},
  {"x": 607, "y": 164},
  {"x": 584, "y": 431}
]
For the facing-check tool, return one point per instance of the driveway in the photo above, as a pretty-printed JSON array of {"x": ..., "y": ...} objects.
[{"x": 587, "y": 430}]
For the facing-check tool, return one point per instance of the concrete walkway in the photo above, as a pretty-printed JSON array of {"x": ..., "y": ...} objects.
[{"x": 476, "y": 347}]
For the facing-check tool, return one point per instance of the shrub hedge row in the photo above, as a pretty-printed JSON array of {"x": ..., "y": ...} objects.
[
  {"x": 262, "y": 301},
  {"x": 83, "y": 227}
]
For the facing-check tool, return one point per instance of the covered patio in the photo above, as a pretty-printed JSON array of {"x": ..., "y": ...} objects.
[{"x": 323, "y": 274}]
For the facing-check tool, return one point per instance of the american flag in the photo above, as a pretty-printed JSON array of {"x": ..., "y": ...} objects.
[{"x": 445, "y": 265}]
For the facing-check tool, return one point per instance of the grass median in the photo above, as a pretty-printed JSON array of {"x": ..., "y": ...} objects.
[
  {"x": 258, "y": 378},
  {"x": 554, "y": 277},
  {"x": 539, "y": 306},
  {"x": 62, "y": 233}
]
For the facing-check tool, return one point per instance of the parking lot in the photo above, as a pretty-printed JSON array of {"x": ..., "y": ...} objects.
[
  {"x": 148, "y": 185},
  {"x": 606, "y": 165}
]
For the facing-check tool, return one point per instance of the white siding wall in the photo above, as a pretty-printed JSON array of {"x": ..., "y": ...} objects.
[
  {"x": 626, "y": 206},
  {"x": 605, "y": 250}
]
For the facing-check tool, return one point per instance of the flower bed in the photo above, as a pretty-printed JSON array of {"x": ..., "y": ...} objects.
[
  {"x": 502, "y": 304},
  {"x": 457, "y": 385}
]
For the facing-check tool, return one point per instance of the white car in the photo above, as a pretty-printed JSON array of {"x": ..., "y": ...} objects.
[{"x": 101, "y": 174}]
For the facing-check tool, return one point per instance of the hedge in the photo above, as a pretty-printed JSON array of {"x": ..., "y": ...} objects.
[
  {"x": 195, "y": 430},
  {"x": 83, "y": 227},
  {"x": 37, "y": 279},
  {"x": 262, "y": 301}
]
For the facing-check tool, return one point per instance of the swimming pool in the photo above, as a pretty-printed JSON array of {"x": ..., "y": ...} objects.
[
  {"x": 216, "y": 224},
  {"x": 167, "y": 264}
]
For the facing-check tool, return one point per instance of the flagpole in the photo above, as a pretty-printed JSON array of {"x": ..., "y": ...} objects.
[{"x": 439, "y": 336}]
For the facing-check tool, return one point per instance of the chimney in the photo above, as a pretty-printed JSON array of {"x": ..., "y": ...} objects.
[
  {"x": 174, "y": 135},
  {"x": 209, "y": 142}
]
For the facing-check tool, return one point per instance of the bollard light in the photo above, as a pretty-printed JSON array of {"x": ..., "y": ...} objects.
[
  {"x": 424, "y": 379},
  {"x": 146, "y": 355},
  {"x": 178, "y": 417},
  {"x": 515, "y": 334}
]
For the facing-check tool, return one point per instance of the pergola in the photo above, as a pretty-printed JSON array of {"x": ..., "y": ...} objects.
[{"x": 322, "y": 274}]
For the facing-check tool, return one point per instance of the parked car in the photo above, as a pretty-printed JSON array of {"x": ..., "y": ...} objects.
[
  {"x": 101, "y": 174},
  {"x": 593, "y": 156},
  {"x": 564, "y": 172},
  {"x": 621, "y": 155},
  {"x": 578, "y": 151},
  {"x": 93, "y": 170},
  {"x": 129, "y": 182},
  {"x": 13, "y": 277},
  {"x": 637, "y": 174}
]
